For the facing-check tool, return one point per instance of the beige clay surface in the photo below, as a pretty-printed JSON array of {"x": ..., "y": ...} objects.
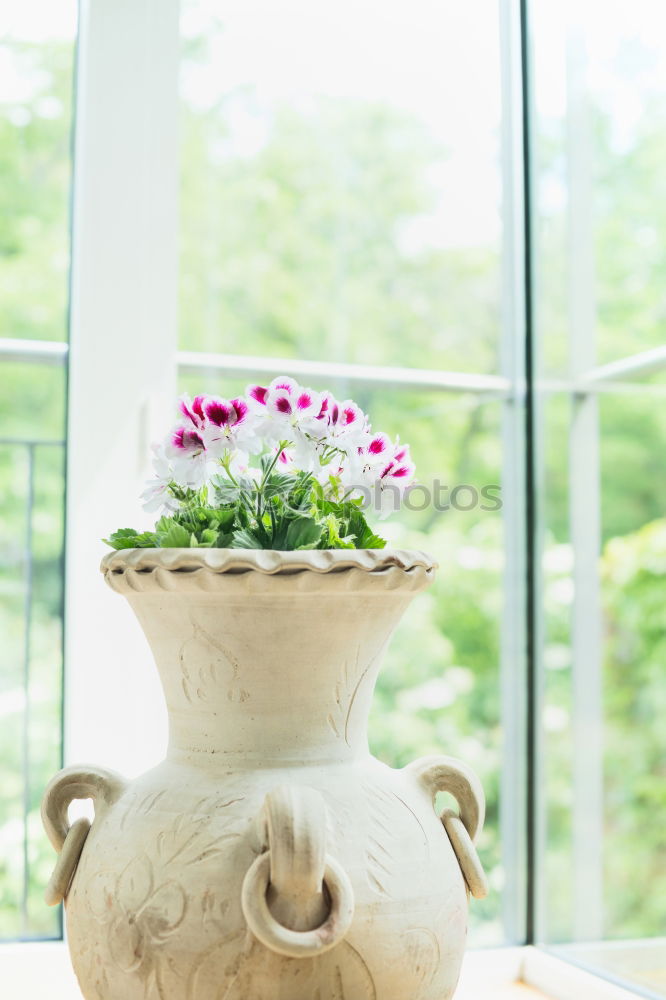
[{"x": 270, "y": 856}]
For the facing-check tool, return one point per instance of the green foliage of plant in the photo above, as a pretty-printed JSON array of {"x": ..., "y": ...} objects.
[{"x": 282, "y": 511}]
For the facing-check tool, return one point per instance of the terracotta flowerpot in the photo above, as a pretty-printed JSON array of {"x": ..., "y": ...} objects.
[{"x": 270, "y": 856}]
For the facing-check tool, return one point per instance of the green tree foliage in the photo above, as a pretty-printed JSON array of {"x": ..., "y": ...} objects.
[
  {"x": 634, "y": 580},
  {"x": 300, "y": 249}
]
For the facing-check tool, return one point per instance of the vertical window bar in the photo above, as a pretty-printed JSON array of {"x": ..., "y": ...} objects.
[
  {"x": 584, "y": 516},
  {"x": 513, "y": 660},
  {"x": 532, "y": 545}
]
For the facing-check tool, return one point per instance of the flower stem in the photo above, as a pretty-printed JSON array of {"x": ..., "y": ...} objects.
[
  {"x": 281, "y": 446},
  {"x": 226, "y": 463}
]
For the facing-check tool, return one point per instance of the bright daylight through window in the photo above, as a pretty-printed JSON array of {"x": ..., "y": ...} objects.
[{"x": 355, "y": 210}]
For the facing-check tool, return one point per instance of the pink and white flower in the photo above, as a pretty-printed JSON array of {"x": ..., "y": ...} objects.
[
  {"x": 263, "y": 423},
  {"x": 383, "y": 468},
  {"x": 340, "y": 426},
  {"x": 346, "y": 419},
  {"x": 394, "y": 479},
  {"x": 287, "y": 411},
  {"x": 228, "y": 425},
  {"x": 256, "y": 397},
  {"x": 285, "y": 460},
  {"x": 293, "y": 405},
  {"x": 319, "y": 435},
  {"x": 285, "y": 400},
  {"x": 192, "y": 410},
  {"x": 186, "y": 449},
  {"x": 367, "y": 460},
  {"x": 186, "y": 442}
]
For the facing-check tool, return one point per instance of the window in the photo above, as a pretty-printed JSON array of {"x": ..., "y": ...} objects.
[{"x": 339, "y": 192}]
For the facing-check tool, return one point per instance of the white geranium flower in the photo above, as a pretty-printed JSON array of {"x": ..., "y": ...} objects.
[{"x": 156, "y": 495}]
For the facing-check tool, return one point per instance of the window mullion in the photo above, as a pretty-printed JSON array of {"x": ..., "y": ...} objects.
[
  {"x": 122, "y": 355},
  {"x": 513, "y": 801},
  {"x": 584, "y": 516}
]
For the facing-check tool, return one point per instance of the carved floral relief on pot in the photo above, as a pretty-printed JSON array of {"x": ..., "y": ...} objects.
[{"x": 207, "y": 660}]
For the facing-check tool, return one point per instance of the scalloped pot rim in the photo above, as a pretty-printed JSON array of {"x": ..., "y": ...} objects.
[{"x": 265, "y": 561}]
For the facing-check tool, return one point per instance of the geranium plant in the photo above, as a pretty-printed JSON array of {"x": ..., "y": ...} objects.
[{"x": 282, "y": 467}]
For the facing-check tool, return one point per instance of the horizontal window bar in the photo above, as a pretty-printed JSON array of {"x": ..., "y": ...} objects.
[
  {"x": 583, "y": 386},
  {"x": 644, "y": 363},
  {"x": 608, "y": 378},
  {"x": 193, "y": 362},
  {"x": 13, "y": 442},
  {"x": 38, "y": 352}
]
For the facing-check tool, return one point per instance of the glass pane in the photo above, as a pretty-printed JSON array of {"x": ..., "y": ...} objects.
[
  {"x": 600, "y": 126},
  {"x": 36, "y": 80},
  {"x": 340, "y": 187},
  {"x": 600, "y": 101},
  {"x": 36, "y": 77}
]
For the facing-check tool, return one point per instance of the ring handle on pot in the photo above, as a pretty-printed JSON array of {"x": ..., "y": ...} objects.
[
  {"x": 297, "y": 899},
  {"x": 77, "y": 782},
  {"x": 447, "y": 774}
]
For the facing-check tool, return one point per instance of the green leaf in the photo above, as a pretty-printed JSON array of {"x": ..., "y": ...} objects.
[
  {"x": 146, "y": 540},
  {"x": 224, "y": 519},
  {"x": 226, "y": 492},
  {"x": 128, "y": 538},
  {"x": 334, "y": 483},
  {"x": 124, "y": 538},
  {"x": 346, "y": 526},
  {"x": 163, "y": 524},
  {"x": 280, "y": 484},
  {"x": 302, "y": 532},
  {"x": 244, "y": 539},
  {"x": 333, "y": 538},
  {"x": 365, "y": 537},
  {"x": 174, "y": 537},
  {"x": 369, "y": 540},
  {"x": 207, "y": 539}
]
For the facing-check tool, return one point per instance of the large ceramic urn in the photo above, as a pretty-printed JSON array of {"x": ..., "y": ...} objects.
[{"x": 270, "y": 856}]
